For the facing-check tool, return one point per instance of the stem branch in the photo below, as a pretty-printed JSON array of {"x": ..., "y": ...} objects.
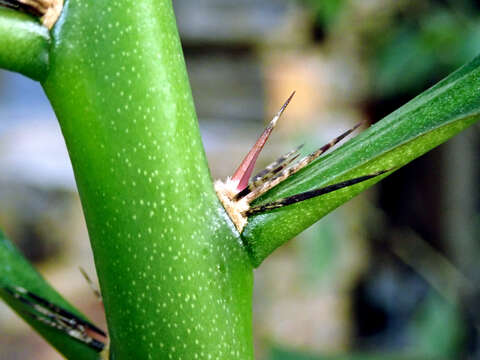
[{"x": 24, "y": 44}]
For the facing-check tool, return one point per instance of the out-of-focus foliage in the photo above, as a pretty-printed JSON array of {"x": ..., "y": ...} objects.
[
  {"x": 417, "y": 45},
  {"x": 418, "y": 51},
  {"x": 283, "y": 354},
  {"x": 438, "y": 328},
  {"x": 319, "y": 251},
  {"x": 325, "y": 11}
]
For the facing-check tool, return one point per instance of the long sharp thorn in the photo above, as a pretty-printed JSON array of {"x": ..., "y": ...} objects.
[
  {"x": 285, "y": 158},
  {"x": 313, "y": 156},
  {"x": 269, "y": 172},
  {"x": 311, "y": 194},
  {"x": 335, "y": 141},
  {"x": 94, "y": 288},
  {"x": 244, "y": 171},
  {"x": 286, "y": 173}
]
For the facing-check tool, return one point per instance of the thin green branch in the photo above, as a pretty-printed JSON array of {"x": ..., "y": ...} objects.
[
  {"x": 15, "y": 272},
  {"x": 24, "y": 44},
  {"x": 425, "y": 122}
]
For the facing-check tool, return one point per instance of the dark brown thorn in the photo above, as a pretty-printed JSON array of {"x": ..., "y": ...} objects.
[
  {"x": 94, "y": 288},
  {"x": 334, "y": 142},
  {"x": 244, "y": 171},
  {"x": 311, "y": 194},
  {"x": 286, "y": 173},
  {"x": 253, "y": 185},
  {"x": 269, "y": 172},
  {"x": 274, "y": 165}
]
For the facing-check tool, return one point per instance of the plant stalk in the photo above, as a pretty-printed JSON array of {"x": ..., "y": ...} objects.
[
  {"x": 175, "y": 278},
  {"x": 24, "y": 44}
]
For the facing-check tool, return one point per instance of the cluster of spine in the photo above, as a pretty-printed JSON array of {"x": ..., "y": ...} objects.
[{"x": 237, "y": 192}]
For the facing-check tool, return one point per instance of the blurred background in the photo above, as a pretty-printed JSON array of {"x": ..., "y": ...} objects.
[{"x": 393, "y": 274}]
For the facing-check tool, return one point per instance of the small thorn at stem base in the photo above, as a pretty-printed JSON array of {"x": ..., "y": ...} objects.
[{"x": 245, "y": 170}]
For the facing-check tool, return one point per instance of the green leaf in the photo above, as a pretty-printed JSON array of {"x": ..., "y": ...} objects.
[
  {"x": 15, "y": 271},
  {"x": 425, "y": 122}
]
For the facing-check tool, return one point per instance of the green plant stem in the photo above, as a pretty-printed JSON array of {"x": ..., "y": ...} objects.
[
  {"x": 24, "y": 44},
  {"x": 15, "y": 271},
  {"x": 425, "y": 122},
  {"x": 175, "y": 278}
]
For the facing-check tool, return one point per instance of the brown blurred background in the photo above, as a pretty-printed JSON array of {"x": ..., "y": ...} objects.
[{"x": 393, "y": 274}]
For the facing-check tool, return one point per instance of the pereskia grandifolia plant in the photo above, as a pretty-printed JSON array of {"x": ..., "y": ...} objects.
[{"x": 176, "y": 271}]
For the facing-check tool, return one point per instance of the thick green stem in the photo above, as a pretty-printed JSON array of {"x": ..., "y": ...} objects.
[
  {"x": 24, "y": 44},
  {"x": 15, "y": 271},
  {"x": 176, "y": 280}
]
